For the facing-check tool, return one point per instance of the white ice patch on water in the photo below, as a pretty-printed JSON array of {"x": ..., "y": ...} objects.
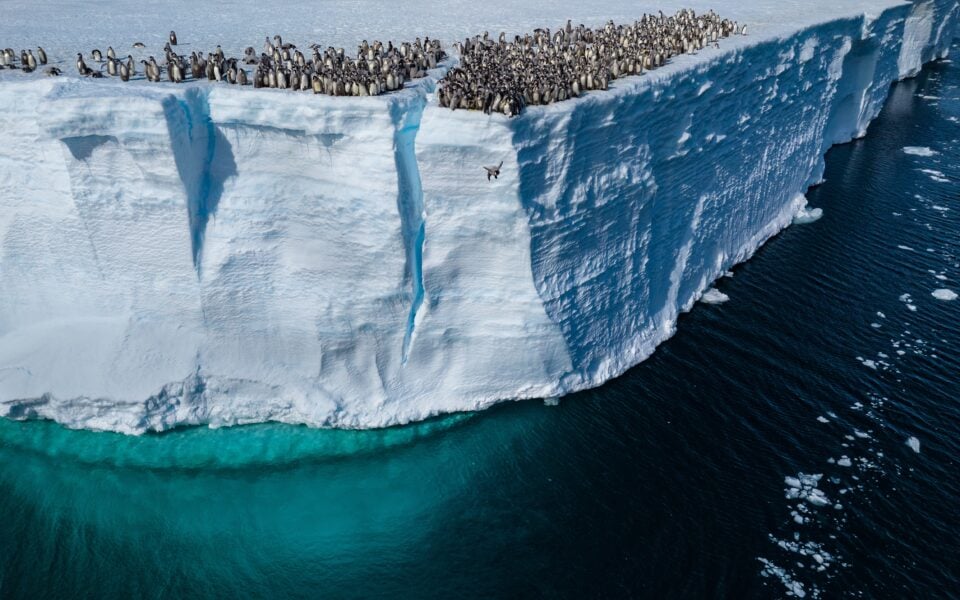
[
  {"x": 794, "y": 587},
  {"x": 804, "y": 487},
  {"x": 807, "y": 215},
  {"x": 823, "y": 419},
  {"x": 844, "y": 461},
  {"x": 944, "y": 294},
  {"x": 714, "y": 296},
  {"x": 935, "y": 175},
  {"x": 914, "y": 444},
  {"x": 919, "y": 151}
]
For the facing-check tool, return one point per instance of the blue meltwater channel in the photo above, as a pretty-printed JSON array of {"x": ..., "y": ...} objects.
[{"x": 801, "y": 439}]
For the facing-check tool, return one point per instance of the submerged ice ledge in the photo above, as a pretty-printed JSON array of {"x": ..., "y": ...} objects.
[{"x": 185, "y": 255}]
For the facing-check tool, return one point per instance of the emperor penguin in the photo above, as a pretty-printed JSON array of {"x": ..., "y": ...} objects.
[
  {"x": 173, "y": 38},
  {"x": 241, "y": 77},
  {"x": 97, "y": 55},
  {"x": 41, "y": 55}
]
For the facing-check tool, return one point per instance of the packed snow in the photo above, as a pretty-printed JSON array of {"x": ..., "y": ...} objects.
[{"x": 199, "y": 253}]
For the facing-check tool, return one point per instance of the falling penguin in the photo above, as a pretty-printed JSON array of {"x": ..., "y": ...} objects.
[{"x": 493, "y": 171}]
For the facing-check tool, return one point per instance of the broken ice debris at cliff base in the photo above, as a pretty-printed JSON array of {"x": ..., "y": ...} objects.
[{"x": 714, "y": 296}]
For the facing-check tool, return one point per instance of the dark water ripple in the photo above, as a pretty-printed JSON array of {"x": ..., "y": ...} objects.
[{"x": 671, "y": 481}]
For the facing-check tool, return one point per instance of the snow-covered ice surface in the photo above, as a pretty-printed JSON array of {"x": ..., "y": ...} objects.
[{"x": 204, "y": 254}]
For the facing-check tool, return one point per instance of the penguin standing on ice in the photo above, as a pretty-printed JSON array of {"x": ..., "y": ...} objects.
[{"x": 173, "y": 38}]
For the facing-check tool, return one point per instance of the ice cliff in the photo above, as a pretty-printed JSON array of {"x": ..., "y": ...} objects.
[{"x": 201, "y": 254}]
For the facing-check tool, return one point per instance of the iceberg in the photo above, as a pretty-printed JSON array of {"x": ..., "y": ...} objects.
[{"x": 202, "y": 254}]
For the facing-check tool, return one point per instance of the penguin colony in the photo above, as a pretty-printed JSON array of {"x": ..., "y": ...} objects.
[
  {"x": 376, "y": 69},
  {"x": 493, "y": 76},
  {"x": 544, "y": 67}
]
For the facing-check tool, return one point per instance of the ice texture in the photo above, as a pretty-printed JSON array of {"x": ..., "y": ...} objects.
[{"x": 201, "y": 254}]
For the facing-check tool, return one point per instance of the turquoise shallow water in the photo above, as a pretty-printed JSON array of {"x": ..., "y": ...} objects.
[{"x": 667, "y": 482}]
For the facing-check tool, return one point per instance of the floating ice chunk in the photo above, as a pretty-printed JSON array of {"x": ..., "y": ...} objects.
[
  {"x": 944, "y": 294},
  {"x": 792, "y": 482},
  {"x": 919, "y": 151},
  {"x": 902, "y": 247},
  {"x": 914, "y": 444},
  {"x": 904, "y": 297},
  {"x": 551, "y": 401},
  {"x": 935, "y": 175},
  {"x": 823, "y": 419},
  {"x": 844, "y": 461},
  {"x": 869, "y": 363},
  {"x": 714, "y": 296},
  {"x": 912, "y": 307},
  {"x": 793, "y": 587},
  {"x": 807, "y": 215},
  {"x": 817, "y": 498}
]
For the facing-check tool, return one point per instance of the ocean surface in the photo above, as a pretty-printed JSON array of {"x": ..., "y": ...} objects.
[{"x": 802, "y": 438}]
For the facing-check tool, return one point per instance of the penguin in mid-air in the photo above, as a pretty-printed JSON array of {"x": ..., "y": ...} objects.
[{"x": 493, "y": 171}]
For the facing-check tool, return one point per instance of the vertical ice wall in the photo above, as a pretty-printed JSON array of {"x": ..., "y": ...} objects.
[{"x": 197, "y": 254}]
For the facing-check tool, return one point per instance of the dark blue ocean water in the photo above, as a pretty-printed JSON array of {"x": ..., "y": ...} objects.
[{"x": 671, "y": 481}]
